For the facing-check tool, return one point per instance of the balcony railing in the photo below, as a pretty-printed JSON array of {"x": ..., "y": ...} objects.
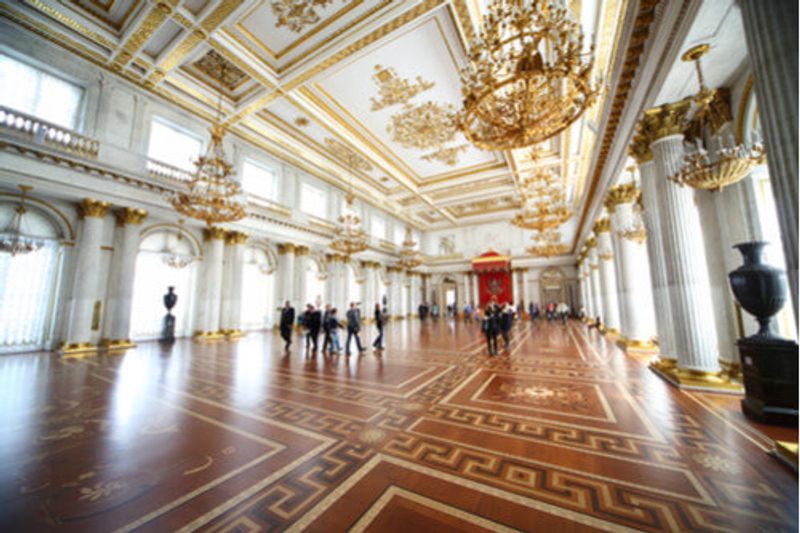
[
  {"x": 157, "y": 169},
  {"x": 38, "y": 131}
]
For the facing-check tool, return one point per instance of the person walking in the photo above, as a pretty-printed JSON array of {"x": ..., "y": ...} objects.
[
  {"x": 506, "y": 320},
  {"x": 490, "y": 326},
  {"x": 353, "y": 327},
  {"x": 467, "y": 312},
  {"x": 380, "y": 319},
  {"x": 435, "y": 311},
  {"x": 333, "y": 326},
  {"x": 312, "y": 319},
  {"x": 326, "y": 339},
  {"x": 286, "y": 324},
  {"x": 563, "y": 311}
]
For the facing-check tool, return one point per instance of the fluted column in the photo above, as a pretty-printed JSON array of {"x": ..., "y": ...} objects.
[
  {"x": 771, "y": 32},
  {"x": 526, "y": 291},
  {"x": 608, "y": 282},
  {"x": 369, "y": 288},
  {"x": 344, "y": 282},
  {"x": 209, "y": 301},
  {"x": 638, "y": 322},
  {"x": 300, "y": 268},
  {"x": 582, "y": 283},
  {"x": 119, "y": 300},
  {"x": 231, "y": 317},
  {"x": 687, "y": 274},
  {"x": 462, "y": 287},
  {"x": 651, "y": 185},
  {"x": 284, "y": 278},
  {"x": 594, "y": 280},
  {"x": 86, "y": 281}
]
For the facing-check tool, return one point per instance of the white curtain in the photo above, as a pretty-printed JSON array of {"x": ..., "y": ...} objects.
[
  {"x": 150, "y": 284},
  {"x": 257, "y": 297},
  {"x": 27, "y": 284}
]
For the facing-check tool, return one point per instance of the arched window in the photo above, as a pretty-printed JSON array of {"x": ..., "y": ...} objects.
[
  {"x": 28, "y": 283},
  {"x": 155, "y": 273},
  {"x": 258, "y": 294}
]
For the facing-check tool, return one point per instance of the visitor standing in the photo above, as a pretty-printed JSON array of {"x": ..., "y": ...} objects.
[
  {"x": 490, "y": 328},
  {"x": 353, "y": 327},
  {"x": 380, "y": 319},
  {"x": 312, "y": 321},
  {"x": 326, "y": 339},
  {"x": 333, "y": 326},
  {"x": 506, "y": 320},
  {"x": 286, "y": 324}
]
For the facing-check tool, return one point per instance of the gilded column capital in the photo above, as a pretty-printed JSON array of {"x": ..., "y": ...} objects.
[
  {"x": 214, "y": 233},
  {"x": 602, "y": 225},
  {"x": 624, "y": 193},
  {"x": 591, "y": 242},
  {"x": 236, "y": 237},
  {"x": 668, "y": 119},
  {"x": 129, "y": 215},
  {"x": 301, "y": 250},
  {"x": 285, "y": 248},
  {"x": 89, "y": 207},
  {"x": 639, "y": 149}
]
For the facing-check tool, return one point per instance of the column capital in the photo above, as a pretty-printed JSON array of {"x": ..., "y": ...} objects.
[
  {"x": 214, "y": 233},
  {"x": 89, "y": 207},
  {"x": 236, "y": 237},
  {"x": 285, "y": 248},
  {"x": 667, "y": 119},
  {"x": 129, "y": 215},
  {"x": 624, "y": 193},
  {"x": 591, "y": 242},
  {"x": 301, "y": 250},
  {"x": 602, "y": 225},
  {"x": 639, "y": 149}
]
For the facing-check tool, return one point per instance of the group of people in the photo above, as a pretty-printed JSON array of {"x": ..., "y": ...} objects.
[
  {"x": 426, "y": 309},
  {"x": 497, "y": 320},
  {"x": 313, "y": 320}
]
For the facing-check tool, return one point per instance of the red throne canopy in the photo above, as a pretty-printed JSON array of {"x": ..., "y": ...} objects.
[{"x": 494, "y": 277}]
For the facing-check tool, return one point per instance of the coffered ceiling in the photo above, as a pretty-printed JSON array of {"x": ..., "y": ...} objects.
[{"x": 358, "y": 90}]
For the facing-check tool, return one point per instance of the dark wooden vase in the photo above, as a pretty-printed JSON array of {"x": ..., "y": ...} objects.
[
  {"x": 769, "y": 362},
  {"x": 168, "y": 329}
]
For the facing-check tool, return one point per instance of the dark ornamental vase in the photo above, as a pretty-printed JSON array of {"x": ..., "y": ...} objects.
[
  {"x": 168, "y": 330},
  {"x": 759, "y": 288},
  {"x": 769, "y": 363}
]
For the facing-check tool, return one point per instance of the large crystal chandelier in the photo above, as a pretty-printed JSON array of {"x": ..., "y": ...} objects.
[
  {"x": 214, "y": 196},
  {"x": 349, "y": 238},
  {"x": 528, "y": 77},
  {"x": 410, "y": 257},
  {"x": 547, "y": 244},
  {"x": 713, "y": 168},
  {"x": 15, "y": 241}
]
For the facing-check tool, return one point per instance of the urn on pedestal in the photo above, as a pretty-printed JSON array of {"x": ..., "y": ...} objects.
[
  {"x": 168, "y": 331},
  {"x": 769, "y": 362}
]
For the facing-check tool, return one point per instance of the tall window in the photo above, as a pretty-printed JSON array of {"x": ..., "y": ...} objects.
[
  {"x": 172, "y": 145},
  {"x": 259, "y": 180},
  {"x": 27, "y": 286},
  {"x": 313, "y": 200},
  {"x": 35, "y": 92},
  {"x": 378, "y": 227},
  {"x": 258, "y": 302},
  {"x": 399, "y": 234},
  {"x": 150, "y": 284}
]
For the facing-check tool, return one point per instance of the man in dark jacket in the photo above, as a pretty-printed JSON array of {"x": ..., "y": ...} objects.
[
  {"x": 287, "y": 322},
  {"x": 353, "y": 327},
  {"x": 380, "y": 318},
  {"x": 490, "y": 327},
  {"x": 312, "y": 320},
  {"x": 326, "y": 330}
]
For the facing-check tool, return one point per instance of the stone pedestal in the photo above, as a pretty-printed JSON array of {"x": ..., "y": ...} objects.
[{"x": 769, "y": 367}]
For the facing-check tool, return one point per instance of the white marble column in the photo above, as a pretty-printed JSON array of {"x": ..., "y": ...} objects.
[
  {"x": 635, "y": 294},
  {"x": 233, "y": 266},
  {"x": 608, "y": 281},
  {"x": 344, "y": 283},
  {"x": 594, "y": 280},
  {"x": 462, "y": 291},
  {"x": 526, "y": 290},
  {"x": 85, "y": 287},
  {"x": 770, "y": 29},
  {"x": 651, "y": 186},
  {"x": 300, "y": 291},
  {"x": 209, "y": 301},
  {"x": 369, "y": 288},
  {"x": 687, "y": 274},
  {"x": 119, "y": 300},
  {"x": 285, "y": 277}
]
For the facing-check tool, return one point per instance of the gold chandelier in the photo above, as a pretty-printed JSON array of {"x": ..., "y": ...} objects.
[
  {"x": 214, "y": 196},
  {"x": 713, "y": 169},
  {"x": 547, "y": 244},
  {"x": 410, "y": 257},
  {"x": 348, "y": 237},
  {"x": 527, "y": 78}
]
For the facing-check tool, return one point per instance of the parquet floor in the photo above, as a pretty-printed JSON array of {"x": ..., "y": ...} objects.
[{"x": 566, "y": 433}]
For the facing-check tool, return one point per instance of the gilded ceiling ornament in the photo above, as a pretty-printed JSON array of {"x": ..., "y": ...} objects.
[
  {"x": 447, "y": 155},
  {"x": 547, "y": 243},
  {"x": 426, "y": 126},
  {"x": 528, "y": 77},
  {"x": 301, "y": 122},
  {"x": 220, "y": 69},
  {"x": 296, "y": 15},
  {"x": 348, "y": 155},
  {"x": 394, "y": 90}
]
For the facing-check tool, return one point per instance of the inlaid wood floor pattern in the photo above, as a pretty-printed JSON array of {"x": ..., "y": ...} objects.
[{"x": 565, "y": 433}]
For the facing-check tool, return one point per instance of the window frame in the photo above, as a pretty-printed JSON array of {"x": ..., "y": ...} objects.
[
  {"x": 171, "y": 124},
  {"x": 265, "y": 168},
  {"x": 319, "y": 213}
]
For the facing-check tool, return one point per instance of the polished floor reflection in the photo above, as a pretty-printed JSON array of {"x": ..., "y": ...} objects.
[{"x": 564, "y": 433}]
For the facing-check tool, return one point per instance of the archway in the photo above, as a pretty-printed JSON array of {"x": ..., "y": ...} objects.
[
  {"x": 316, "y": 276},
  {"x": 155, "y": 272},
  {"x": 28, "y": 282},
  {"x": 551, "y": 285},
  {"x": 258, "y": 281}
]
